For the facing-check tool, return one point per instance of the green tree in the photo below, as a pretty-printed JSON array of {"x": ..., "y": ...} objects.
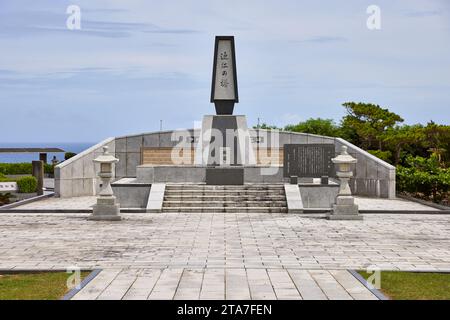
[
  {"x": 324, "y": 127},
  {"x": 69, "y": 155},
  {"x": 396, "y": 138},
  {"x": 367, "y": 123},
  {"x": 424, "y": 176},
  {"x": 265, "y": 126},
  {"x": 437, "y": 139}
]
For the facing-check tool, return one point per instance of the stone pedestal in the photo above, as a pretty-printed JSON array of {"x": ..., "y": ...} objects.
[
  {"x": 225, "y": 141},
  {"x": 345, "y": 209},
  {"x": 107, "y": 209}
]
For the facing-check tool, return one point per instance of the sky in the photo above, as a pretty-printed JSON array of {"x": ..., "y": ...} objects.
[{"x": 134, "y": 63}]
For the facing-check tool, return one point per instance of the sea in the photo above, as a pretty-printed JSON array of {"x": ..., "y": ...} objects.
[{"x": 76, "y": 147}]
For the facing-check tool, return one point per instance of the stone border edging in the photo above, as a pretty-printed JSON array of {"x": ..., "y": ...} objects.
[
  {"x": 26, "y": 201},
  {"x": 438, "y": 212},
  {"x": 424, "y": 202},
  {"x": 124, "y": 210},
  {"x": 306, "y": 211},
  {"x": 377, "y": 293},
  {"x": 69, "y": 295},
  {"x": 324, "y": 210}
]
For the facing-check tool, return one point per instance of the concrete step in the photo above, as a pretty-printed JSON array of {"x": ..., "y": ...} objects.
[
  {"x": 178, "y": 197},
  {"x": 225, "y": 204},
  {"x": 254, "y": 198},
  {"x": 225, "y": 192},
  {"x": 224, "y": 188},
  {"x": 226, "y": 209}
]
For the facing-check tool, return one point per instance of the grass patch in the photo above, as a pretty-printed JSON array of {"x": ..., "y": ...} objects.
[
  {"x": 399, "y": 285},
  {"x": 35, "y": 286}
]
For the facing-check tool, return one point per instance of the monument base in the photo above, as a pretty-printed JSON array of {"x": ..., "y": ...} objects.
[
  {"x": 345, "y": 209},
  {"x": 106, "y": 209},
  {"x": 224, "y": 107},
  {"x": 149, "y": 173},
  {"x": 225, "y": 141},
  {"x": 225, "y": 176}
]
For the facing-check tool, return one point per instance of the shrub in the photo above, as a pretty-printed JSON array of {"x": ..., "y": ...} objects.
[
  {"x": 69, "y": 155},
  {"x": 22, "y": 168},
  {"x": 27, "y": 184},
  {"x": 424, "y": 176}
]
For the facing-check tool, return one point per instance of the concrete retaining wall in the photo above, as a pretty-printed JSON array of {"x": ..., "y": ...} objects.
[
  {"x": 130, "y": 194},
  {"x": 373, "y": 177},
  {"x": 128, "y": 149},
  {"x": 78, "y": 176},
  {"x": 318, "y": 196}
]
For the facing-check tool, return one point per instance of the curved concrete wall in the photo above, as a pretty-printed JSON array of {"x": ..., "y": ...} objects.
[{"x": 76, "y": 176}]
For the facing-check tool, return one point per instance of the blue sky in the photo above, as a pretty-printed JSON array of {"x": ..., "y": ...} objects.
[{"x": 136, "y": 62}]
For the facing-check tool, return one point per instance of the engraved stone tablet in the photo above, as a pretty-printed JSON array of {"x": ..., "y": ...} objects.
[{"x": 308, "y": 160}]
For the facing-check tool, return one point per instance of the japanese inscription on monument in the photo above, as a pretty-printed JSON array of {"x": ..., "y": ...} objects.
[
  {"x": 224, "y": 92},
  {"x": 224, "y": 87}
]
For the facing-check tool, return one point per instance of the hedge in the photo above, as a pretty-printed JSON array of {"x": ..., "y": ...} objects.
[
  {"x": 27, "y": 184},
  {"x": 22, "y": 168}
]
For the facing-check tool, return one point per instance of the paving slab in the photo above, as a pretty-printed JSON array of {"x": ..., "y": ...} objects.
[
  {"x": 374, "y": 204},
  {"x": 176, "y": 240},
  {"x": 364, "y": 203},
  {"x": 235, "y": 284}
]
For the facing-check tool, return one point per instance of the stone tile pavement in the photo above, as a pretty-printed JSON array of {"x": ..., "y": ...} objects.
[
  {"x": 230, "y": 241},
  {"x": 87, "y": 202},
  {"x": 75, "y": 203},
  {"x": 221, "y": 284},
  {"x": 391, "y": 204}
]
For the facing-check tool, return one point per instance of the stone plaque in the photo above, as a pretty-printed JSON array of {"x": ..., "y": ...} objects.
[
  {"x": 225, "y": 176},
  {"x": 308, "y": 160}
]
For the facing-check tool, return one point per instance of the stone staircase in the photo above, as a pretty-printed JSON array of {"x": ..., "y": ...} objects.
[{"x": 255, "y": 198}]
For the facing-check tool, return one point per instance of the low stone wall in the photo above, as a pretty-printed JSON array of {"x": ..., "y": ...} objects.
[
  {"x": 373, "y": 177},
  {"x": 78, "y": 176},
  {"x": 129, "y": 149},
  {"x": 318, "y": 195},
  {"x": 8, "y": 186},
  {"x": 197, "y": 174},
  {"x": 131, "y": 194}
]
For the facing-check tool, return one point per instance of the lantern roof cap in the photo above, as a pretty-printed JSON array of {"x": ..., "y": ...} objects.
[
  {"x": 344, "y": 157},
  {"x": 106, "y": 157}
]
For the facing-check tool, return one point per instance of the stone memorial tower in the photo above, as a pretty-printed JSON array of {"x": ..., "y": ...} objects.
[{"x": 225, "y": 137}]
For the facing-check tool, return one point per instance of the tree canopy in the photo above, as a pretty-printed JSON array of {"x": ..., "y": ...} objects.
[{"x": 420, "y": 152}]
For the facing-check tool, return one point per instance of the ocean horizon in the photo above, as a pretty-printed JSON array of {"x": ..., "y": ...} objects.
[{"x": 75, "y": 147}]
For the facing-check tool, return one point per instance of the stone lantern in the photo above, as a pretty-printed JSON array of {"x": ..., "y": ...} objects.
[
  {"x": 106, "y": 207},
  {"x": 345, "y": 207}
]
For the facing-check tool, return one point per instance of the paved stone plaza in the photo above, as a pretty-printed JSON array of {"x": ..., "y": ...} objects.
[
  {"x": 218, "y": 256},
  {"x": 220, "y": 284},
  {"x": 86, "y": 202},
  {"x": 57, "y": 241}
]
